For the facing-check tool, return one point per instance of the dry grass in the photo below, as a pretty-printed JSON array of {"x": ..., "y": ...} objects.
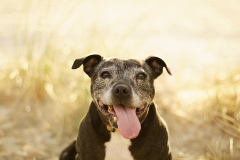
[
  {"x": 225, "y": 100},
  {"x": 42, "y": 100}
]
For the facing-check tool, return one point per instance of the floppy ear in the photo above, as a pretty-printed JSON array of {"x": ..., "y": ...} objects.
[
  {"x": 89, "y": 63},
  {"x": 157, "y": 64}
]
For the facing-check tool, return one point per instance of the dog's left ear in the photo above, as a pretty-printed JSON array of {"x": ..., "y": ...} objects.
[
  {"x": 89, "y": 63},
  {"x": 157, "y": 65}
]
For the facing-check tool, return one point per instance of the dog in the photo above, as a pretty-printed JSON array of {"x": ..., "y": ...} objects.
[{"x": 122, "y": 122}]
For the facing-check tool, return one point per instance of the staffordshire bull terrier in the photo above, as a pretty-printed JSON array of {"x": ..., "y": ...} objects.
[{"x": 122, "y": 122}]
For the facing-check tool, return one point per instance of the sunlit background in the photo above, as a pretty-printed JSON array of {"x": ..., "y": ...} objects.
[{"x": 42, "y": 100}]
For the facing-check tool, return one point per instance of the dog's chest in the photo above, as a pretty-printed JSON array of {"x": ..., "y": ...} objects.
[{"x": 118, "y": 148}]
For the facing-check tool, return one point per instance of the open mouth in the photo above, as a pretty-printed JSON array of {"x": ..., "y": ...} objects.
[
  {"x": 123, "y": 118},
  {"x": 109, "y": 110}
]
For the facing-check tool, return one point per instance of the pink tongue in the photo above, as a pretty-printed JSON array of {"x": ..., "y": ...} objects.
[{"x": 128, "y": 123}]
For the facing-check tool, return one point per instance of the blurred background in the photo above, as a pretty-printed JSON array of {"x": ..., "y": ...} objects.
[{"x": 42, "y": 100}]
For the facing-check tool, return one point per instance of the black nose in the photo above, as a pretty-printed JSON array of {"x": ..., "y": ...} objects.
[{"x": 121, "y": 90}]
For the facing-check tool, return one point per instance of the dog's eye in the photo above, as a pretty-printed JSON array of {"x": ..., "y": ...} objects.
[
  {"x": 141, "y": 76},
  {"x": 105, "y": 74}
]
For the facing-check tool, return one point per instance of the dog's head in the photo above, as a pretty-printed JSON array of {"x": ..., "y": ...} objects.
[{"x": 122, "y": 89}]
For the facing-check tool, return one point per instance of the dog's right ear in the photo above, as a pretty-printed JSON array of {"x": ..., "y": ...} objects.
[{"x": 89, "y": 63}]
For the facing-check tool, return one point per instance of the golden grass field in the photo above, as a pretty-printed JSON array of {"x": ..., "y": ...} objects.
[{"x": 42, "y": 100}]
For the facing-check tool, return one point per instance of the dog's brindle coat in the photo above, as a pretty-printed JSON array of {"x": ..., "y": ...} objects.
[{"x": 122, "y": 115}]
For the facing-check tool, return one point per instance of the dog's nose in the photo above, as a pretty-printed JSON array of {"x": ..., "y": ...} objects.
[{"x": 121, "y": 90}]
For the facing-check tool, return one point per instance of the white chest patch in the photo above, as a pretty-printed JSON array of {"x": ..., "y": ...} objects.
[{"x": 117, "y": 148}]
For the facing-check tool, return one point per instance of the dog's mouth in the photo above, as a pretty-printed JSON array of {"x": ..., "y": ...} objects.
[
  {"x": 109, "y": 109},
  {"x": 124, "y": 118}
]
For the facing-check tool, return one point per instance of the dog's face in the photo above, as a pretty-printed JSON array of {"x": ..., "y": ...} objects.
[{"x": 122, "y": 90}]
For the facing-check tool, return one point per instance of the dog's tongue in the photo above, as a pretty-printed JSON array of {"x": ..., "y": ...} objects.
[{"x": 128, "y": 123}]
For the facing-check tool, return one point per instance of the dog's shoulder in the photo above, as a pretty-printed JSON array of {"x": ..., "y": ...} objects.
[{"x": 70, "y": 152}]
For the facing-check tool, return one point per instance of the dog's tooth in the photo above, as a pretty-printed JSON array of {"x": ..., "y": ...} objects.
[
  {"x": 114, "y": 119},
  {"x": 110, "y": 108}
]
